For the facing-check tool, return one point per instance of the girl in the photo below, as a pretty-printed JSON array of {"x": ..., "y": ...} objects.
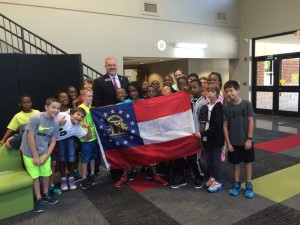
[
  {"x": 88, "y": 83},
  {"x": 216, "y": 78},
  {"x": 72, "y": 93},
  {"x": 168, "y": 81},
  {"x": 145, "y": 85},
  {"x": 213, "y": 139}
]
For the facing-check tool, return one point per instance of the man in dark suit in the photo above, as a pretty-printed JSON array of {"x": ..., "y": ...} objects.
[
  {"x": 105, "y": 93},
  {"x": 105, "y": 87}
]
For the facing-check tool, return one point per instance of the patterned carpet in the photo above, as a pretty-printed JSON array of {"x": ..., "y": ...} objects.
[{"x": 104, "y": 204}]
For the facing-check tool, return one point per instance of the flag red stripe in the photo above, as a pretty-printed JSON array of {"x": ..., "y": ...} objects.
[
  {"x": 123, "y": 158},
  {"x": 151, "y": 108}
]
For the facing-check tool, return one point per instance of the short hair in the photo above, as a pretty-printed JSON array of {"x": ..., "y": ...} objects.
[
  {"x": 88, "y": 80},
  {"x": 203, "y": 78},
  {"x": 79, "y": 109},
  {"x": 168, "y": 76},
  {"x": 50, "y": 100},
  {"x": 23, "y": 96},
  {"x": 197, "y": 81},
  {"x": 218, "y": 75},
  {"x": 110, "y": 58},
  {"x": 179, "y": 69},
  {"x": 85, "y": 90},
  {"x": 193, "y": 75},
  {"x": 232, "y": 84},
  {"x": 214, "y": 87}
]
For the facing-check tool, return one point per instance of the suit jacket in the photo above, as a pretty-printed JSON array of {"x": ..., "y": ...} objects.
[{"x": 104, "y": 90}]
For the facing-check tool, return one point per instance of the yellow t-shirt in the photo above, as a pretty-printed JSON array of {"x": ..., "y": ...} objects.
[
  {"x": 88, "y": 118},
  {"x": 20, "y": 120}
]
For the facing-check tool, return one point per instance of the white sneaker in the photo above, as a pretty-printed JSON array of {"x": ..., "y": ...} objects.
[
  {"x": 216, "y": 186},
  {"x": 72, "y": 183},
  {"x": 64, "y": 185}
]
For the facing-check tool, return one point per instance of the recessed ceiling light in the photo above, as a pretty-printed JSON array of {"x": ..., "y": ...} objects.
[
  {"x": 141, "y": 62},
  {"x": 161, "y": 45}
]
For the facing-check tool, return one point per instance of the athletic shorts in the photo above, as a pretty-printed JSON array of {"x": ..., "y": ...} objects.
[
  {"x": 36, "y": 171},
  {"x": 240, "y": 154}
]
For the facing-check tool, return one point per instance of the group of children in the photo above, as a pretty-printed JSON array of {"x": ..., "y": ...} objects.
[{"x": 67, "y": 116}]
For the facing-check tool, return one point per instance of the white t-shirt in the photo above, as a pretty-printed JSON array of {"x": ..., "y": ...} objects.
[
  {"x": 69, "y": 129},
  {"x": 210, "y": 107}
]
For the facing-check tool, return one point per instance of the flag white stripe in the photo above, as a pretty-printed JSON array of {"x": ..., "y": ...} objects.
[{"x": 167, "y": 128}]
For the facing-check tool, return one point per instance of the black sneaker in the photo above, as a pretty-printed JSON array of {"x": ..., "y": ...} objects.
[
  {"x": 198, "y": 183},
  {"x": 84, "y": 184},
  {"x": 149, "y": 173},
  {"x": 179, "y": 182},
  {"x": 49, "y": 199},
  {"x": 77, "y": 176},
  {"x": 132, "y": 175},
  {"x": 38, "y": 206},
  {"x": 92, "y": 179}
]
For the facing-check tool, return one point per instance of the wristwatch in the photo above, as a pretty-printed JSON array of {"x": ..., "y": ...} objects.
[{"x": 250, "y": 138}]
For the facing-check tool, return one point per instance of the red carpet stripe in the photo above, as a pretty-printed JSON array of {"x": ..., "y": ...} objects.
[
  {"x": 280, "y": 144},
  {"x": 141, "y": 183}
]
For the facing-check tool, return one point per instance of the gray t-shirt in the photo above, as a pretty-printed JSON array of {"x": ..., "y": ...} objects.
[
  {"x": 197, "y": 104},
  {"x": 44, "y": 129},
  {"x": 237, "y": 119}
]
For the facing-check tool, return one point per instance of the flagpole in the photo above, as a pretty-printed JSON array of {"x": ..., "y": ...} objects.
[{"x": 107, "y": 165}]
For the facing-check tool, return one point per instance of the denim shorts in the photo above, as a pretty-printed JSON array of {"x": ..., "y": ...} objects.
[
  {"x": 15, "y": 142},
  {"x": 66, "y": 150},
  {"x": 89, "y": 151}
]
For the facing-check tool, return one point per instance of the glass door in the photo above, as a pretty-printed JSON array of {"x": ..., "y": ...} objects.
[{"x": 288, "y": 84}]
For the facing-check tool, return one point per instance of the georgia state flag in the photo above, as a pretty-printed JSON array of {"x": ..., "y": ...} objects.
[{"x": 146, "y": 131}]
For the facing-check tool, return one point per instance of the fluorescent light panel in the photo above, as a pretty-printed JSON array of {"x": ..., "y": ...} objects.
[{"x": 190, "y": 45}]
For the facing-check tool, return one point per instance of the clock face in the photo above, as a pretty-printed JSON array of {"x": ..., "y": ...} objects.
[{"x": 161, "y": 45}]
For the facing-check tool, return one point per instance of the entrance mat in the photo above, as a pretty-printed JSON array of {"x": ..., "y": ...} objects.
[
  {"x": 280, "y": 144},
  {"x": 126, "y": 206}
]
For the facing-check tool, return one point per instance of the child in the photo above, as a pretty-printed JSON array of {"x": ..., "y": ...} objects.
[
  {"x": 238, "y": 132},
  {"x": 204, "y": 85},
  {"x": 18, "y": 123},
  {"x": 69, "y": 127},
  {"x": 213, "y": 139},
  {"x": 166, "y": 90},
  {"x": 89, "y": 149},
  {"x": 151, "y": 92},
  {"x": 88, "y": 83},
  {"x": 216, "y": 78},
  {"x": 156, "y": 85},
  {"x": 168, "y": 81},
  {"x": 183, "y": 84},
  {"x": 37, "y": 145},
  {"x": 192, "y": 76},
  {"x": 145, "y": 85},
  {"x": 121, "y": 94},
  {"x": 72, "y": 92},
  {"x": 193, "y": 160},
  {"x": 135, "y": 92}
]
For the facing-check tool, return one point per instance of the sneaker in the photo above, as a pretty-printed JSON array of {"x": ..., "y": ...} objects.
[
  {"x": 54, "y": 190},
  {"x": 38, "y": 206},
  {"x": 216, "y": 186},
  {"x": 92, "y": 179},
  {"x": 209, "y": 182},
  {"x": 159, "y": 180},
  {"x": 179, "y": 182},
  {"x": 236, "y": 188},
  {"x": 72, "y": 184},
  {"x": 84, "y": 184},
  {"x": 64, "y": 185},
  {"x": 132, "y": 175},
  {"x": 122, "y": 181},
  {"x": 49, "y": 199},
  {"x": 249, "y": 190},
  {"x": 77, "y": 176},
  {"x": 198, "y": 183}
]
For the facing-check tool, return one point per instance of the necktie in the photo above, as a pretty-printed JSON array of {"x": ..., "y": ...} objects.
[{"x": 115, "y": 83}]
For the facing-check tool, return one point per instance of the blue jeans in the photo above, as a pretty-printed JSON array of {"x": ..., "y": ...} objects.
[
  {"x": 214, "y": 164},
  {"x": 89, "y": 151},
  {"x": 66, "y": 150}
]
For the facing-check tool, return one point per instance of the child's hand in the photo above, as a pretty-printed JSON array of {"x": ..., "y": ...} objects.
[
  {"x": 85, "y": 124},
  {"x": 198, "y": 135},
  {"x": 248, "y": 144},
  {"x": 62, "y": 121},
  {"x": 36, "y": 161},
  {"x": 2, "y": 142},
  {"x": 230, "y": 148}
]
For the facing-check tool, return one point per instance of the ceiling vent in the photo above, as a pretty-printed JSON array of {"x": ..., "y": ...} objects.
[
  {"x": 150, "y": 8},
  {"x": 221, "y": 17}
]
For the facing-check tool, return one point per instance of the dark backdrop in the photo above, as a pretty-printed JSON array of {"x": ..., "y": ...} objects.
[{"x": 40, "y": 76}]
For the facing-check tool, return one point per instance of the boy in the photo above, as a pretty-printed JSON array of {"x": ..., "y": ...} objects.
[
  {"x": 197, "y": 102},
  {"x": 18, "y": 123},
  {"x": 89, "y": 149},
  {"x": 37, "y": 145},
  {"x": 238, "y": 133},
  {"x": 69, "y": 127}
]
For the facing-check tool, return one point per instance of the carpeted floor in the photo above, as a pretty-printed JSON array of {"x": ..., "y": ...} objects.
[{"x": 143, "y": 202}]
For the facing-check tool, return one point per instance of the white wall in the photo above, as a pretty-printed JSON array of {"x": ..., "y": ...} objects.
[
  {"x": 260, "y": 18},
  {"x": 98, "y": 29}
]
